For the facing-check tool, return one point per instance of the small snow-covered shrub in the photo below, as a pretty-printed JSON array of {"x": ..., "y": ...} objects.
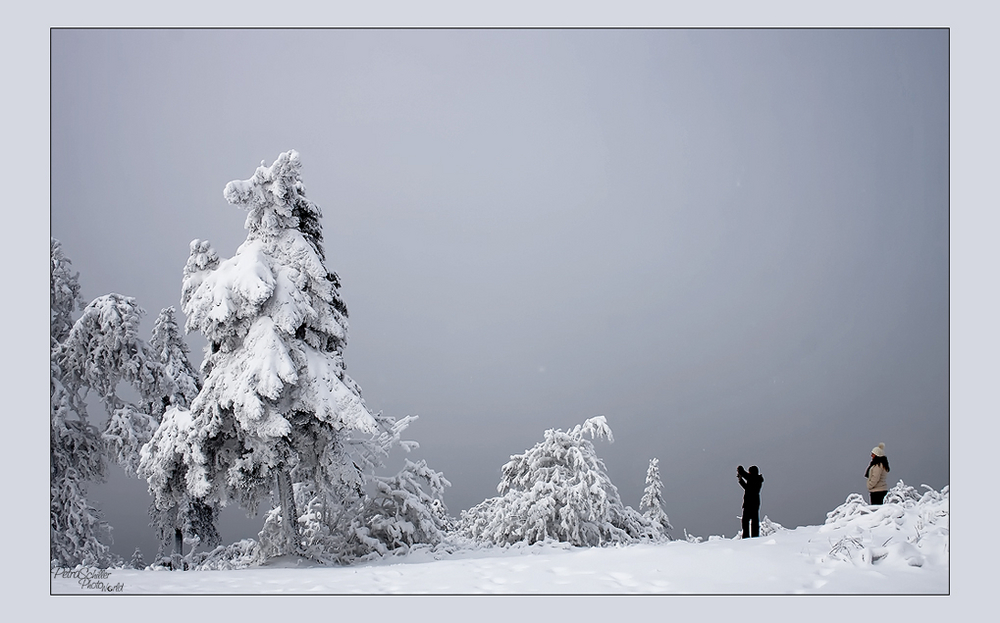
[
  {"x": 690, "y": 538},
  {"x": 558, "y": 490},
  {"x": 767, "y": 528},
  {"x": 402, "y": 514},
  {"x": 846, "y": 548},
  {"x": 903, "y": 494},
  {"x": 238, "y": 555},
  {"x": 853, "y": 506}
]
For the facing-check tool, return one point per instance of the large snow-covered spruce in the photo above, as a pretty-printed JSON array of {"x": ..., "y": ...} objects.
[
  {"x": 277, "y": 407},
  {"x": 558, "y": 490}
]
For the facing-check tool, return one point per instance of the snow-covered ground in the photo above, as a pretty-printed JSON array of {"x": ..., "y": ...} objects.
[{"x": 900, "y": 548}]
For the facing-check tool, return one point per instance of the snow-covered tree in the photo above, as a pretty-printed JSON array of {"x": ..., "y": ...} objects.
[
  {"x": 77, "y": 534},
  {"x": 137, "y": 561},
  {"x": 401, "y": 513},
  {"x": 651, "y": 505},
  {"x": 560, "y": 490},
  {"x": 64, "y": 293},
  {"x": 103, "y": 349},
  {"x": 93, "y": 354},
  {"x": 277, "y": 408},
  {"x": 76, "y": 457},
  {"x": 169, "y": 348},
  {"x": 175, "y": 514},
  {"x": 336, "y": 517}
]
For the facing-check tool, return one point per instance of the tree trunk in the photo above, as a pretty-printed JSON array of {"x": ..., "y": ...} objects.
[
  {"x": 178, "y": 542},
  {"x": 289, "y": 515}
]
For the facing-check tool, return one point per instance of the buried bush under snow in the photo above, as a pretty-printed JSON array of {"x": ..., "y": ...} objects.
[{"x": 909, "y": 527}]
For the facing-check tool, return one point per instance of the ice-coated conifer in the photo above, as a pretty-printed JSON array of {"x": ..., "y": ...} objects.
[
  {"x": 277, "y": 408},
  {"x": 651, "y": 505},
  {"x": 77, "y": 534},
  {"x": 401, "y": 513},
  {"x": 333, "y": 514},
  {"x": 175, "y": 514},
  {"x": 137, "y": 561},
  {"x": 169, "y": 348},
  {"x": 560, "y": 490},
  {"x": 103, "y": 349},
  {"x": 64, "y": 293},
  {"x": 93, "y": 354}
]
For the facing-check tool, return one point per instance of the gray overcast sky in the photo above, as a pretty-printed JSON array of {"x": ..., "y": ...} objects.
[{"x": 732, "y": 243}]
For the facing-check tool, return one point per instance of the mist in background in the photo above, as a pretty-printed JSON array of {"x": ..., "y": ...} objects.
[{"x": 731, "y": 243}]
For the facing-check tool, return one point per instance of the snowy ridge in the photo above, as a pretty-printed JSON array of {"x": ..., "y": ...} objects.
[{"x": 901, "y": 547}]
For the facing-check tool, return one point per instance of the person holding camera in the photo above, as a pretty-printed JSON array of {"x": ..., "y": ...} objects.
[{"x": 751, "y": 482}]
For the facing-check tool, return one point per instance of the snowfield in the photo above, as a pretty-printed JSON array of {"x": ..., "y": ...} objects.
[{"x": 899, "y": 548}]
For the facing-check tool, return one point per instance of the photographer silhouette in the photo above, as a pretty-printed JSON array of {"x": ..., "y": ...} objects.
[{"x": 751, "y": 483}]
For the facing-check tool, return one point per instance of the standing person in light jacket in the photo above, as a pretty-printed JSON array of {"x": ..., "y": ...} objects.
[
  {"x": 751, "y": 483},
  {"x": 875, "y": 474}
]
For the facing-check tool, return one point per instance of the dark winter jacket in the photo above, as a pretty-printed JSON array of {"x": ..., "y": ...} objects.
[{"x": 751, "y": 484}]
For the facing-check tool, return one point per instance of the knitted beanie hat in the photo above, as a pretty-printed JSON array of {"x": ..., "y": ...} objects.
[{"x": 879, "y": 450}]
